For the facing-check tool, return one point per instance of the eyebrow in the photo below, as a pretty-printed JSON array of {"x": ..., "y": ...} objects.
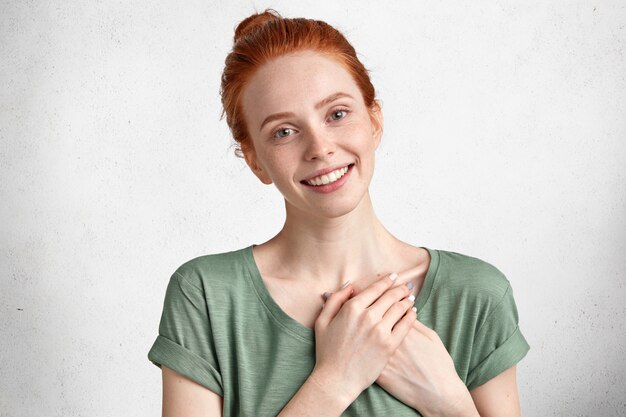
[{"x": 322, "y": 103}]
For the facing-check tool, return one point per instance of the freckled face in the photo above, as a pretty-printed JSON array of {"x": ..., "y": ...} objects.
[{"x": 304, "y": 112}]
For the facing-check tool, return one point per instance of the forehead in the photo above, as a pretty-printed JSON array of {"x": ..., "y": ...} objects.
[{"x": 295, "y": 82}]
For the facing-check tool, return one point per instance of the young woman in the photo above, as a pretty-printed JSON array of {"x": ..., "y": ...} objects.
[{"x": 322, "y": 319}]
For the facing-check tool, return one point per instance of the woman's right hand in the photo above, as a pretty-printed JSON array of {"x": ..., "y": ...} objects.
[{"x": 355, "y": 337}]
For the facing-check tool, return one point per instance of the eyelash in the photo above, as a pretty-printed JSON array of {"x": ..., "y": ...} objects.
[{"x": 338, "y": 109}]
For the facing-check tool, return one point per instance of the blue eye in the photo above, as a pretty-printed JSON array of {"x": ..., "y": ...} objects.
[
  {"x": 282, "y": 130},
  {"x": 339, "y": 111}
]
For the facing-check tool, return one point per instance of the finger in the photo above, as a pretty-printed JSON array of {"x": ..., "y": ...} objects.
[
  {"x": 333, "y": 304},
  {"x": 327, "y": 294},
  {"x": 370, "y": 294},
  {"x": 397, "y": 311},
  {"x": 403, "y": 327},
  {"x": 387, "y": 300},
  {"x": 409, "y": 275}
]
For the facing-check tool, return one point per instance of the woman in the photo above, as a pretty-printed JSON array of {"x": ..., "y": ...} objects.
[{"x": 275, "y": 329}]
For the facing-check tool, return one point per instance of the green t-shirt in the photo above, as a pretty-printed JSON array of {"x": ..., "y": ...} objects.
[{"x": 221, "y": 328}]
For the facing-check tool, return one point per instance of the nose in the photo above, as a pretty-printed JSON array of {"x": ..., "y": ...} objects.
[{"x": 320, "y": 144}]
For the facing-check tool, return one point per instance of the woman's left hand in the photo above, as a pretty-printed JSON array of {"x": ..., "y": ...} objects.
[{"x": 421, "y": 374}]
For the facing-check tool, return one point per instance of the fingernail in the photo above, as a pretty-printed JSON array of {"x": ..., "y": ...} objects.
[
  {"x": 326, "y": 295},
  {"x": 410, "y": 285},
  {"x": 412, "y": 297},
  {"x": 393, "y": 276},
  {"x": 414, "y": 309},
  {"x": 344, "y": 285}
]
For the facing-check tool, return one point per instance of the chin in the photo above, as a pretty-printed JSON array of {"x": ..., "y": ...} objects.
[
  {"x": 335, "y": 209},
  {"x": 335, "y": 212}
]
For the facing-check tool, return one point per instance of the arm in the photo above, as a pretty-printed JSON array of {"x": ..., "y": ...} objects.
[
  {"x": 317, "y": 398},
  {"x": 498, "y": 396},
  {"x": 184, "y": 397}
]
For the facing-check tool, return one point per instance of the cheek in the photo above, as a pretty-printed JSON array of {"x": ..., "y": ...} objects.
[
  {"x": 281, "y": 167},
  {"x": 358, "y": 136}
]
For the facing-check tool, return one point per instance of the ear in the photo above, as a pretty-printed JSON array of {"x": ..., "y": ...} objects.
[
  {"x": 251, "y": 160},
  {"x": 376, "y": 116}
]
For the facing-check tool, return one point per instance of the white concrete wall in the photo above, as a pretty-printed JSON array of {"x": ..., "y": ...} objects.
[{"x": 504, "y": 139}]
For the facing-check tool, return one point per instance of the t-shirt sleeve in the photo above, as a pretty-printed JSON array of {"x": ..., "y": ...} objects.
[
  {"x": 185, "y": 342},
  {"x": 498, "y": 344}
]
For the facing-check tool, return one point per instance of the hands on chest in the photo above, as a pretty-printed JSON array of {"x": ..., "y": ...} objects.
[{"x": 369, "y": 332}]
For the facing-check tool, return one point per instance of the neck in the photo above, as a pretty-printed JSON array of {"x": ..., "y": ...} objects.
[{"x": 329, "y": 251}]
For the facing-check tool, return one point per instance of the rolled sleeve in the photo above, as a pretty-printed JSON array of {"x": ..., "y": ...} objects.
[
  {"x": 499, "y": 343},
  {"x": 505, "y": 356},
  {"x": 185, "y": 343}
]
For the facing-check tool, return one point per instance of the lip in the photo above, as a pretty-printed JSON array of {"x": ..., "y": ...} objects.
[
  {"x": 324, "y": 171},
  {"x": 333, "y": 186}
]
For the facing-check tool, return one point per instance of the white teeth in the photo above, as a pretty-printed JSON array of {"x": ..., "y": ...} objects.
[{"x": 328, "y": 178}]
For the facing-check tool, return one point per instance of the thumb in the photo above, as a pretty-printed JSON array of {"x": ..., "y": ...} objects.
[{"x": 334, "y": 302}]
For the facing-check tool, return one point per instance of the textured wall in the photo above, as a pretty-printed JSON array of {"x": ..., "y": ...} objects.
[{"x": 505, "y": 129}]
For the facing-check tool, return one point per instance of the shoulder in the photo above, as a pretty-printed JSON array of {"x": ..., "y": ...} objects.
[
  {"x": 213, "y": 270},
  {"x": 471, "y": 279}
]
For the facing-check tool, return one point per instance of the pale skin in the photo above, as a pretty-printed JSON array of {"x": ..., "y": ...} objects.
[{"x": 329, "y": 238}]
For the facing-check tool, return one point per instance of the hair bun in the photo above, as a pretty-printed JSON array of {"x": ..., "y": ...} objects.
[{"x": 255, "y": 21}]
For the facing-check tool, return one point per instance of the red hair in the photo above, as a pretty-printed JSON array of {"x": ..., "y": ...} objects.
[{"x": 264, "y": 36}]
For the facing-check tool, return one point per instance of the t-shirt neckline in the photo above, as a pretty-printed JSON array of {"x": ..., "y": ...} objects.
[{"x": 299, "y": 330}]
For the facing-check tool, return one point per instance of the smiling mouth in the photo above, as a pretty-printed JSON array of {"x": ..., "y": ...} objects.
[{"x": 328, "y": 178}]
